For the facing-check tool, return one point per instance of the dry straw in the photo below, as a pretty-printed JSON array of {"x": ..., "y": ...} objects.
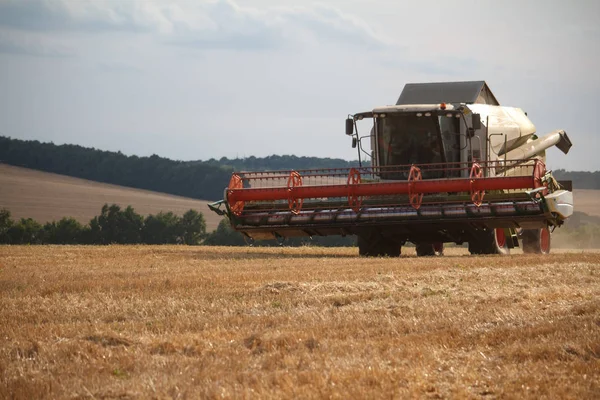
[{"x": 180, "y": 322}]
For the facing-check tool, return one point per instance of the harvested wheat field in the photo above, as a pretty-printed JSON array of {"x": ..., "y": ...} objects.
[
  {"x": 46, "y": 197},
  {"x": 206, "y": 322}
]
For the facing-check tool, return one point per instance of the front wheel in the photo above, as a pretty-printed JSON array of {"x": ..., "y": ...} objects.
[
  {"x": 375, "y": 245},
  {"x": 536, "y": 241},
  {"x": 491, "y": 241},
  {"x": 429, "y": 249}
]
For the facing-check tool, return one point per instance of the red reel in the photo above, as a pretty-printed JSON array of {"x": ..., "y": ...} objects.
[
  {"x": 476, "y": 195},
  {"x": 295, "y": 204},
  {"x": 235, "y": 183},
  {"x": 415, "y": 198},
  {"x": 354, "y": 201}
]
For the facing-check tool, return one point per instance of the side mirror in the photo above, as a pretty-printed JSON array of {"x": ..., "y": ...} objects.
[
  {"x": 476, "y": 121},
  {"x": 354, "y": 142},
  {"x": 349, "y": 126}
]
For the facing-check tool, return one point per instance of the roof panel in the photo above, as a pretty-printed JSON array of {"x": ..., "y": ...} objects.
[{"x": 447, "y": 92}]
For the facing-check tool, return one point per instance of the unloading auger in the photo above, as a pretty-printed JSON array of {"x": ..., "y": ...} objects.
[{"x": 448, "y": 164}]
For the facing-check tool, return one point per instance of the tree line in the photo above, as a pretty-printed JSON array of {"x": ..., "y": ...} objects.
[
  {"x": 155, "y": 173},
  {"x": 113, "y": 225},
  {"x": 276, "y": 163},
  {"x": 195, "y": 179}
]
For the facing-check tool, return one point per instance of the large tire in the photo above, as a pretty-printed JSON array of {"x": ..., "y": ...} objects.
[
  {"x": 536, "y": 241},
  {"x": 375, "y": 245},
  {"x": 429, "y": 249},
  {"x": 491, "y": 241}
]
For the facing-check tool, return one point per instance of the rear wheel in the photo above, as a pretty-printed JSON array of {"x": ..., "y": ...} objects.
[
  {"x": 430, "y": 249},
  {"x": 536, "y": 241},
  {"x": 491, "y": 241},
  {"x": 375, "y": 245}
]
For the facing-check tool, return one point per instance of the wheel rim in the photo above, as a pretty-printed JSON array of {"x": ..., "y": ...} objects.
[
  {"x": 545, "y": 240},
  {"x": 500, "y": 237}
]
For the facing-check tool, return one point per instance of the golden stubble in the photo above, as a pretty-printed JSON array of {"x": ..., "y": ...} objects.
[{"x": 207, "y": 322}]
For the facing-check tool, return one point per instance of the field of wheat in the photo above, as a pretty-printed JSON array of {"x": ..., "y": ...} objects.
[{"x": 213, "y": 322}]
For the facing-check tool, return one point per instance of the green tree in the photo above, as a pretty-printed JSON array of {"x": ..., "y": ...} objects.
[
  {"x": 116, "y": 226},
  {"x": 94, "y": 233},
  {"x": 66, "y": 231},
  {"x": 5, "y": 224},
  {"x": 162, "y": 228},
  {"x": 130, "y": 226},
  {"x": 108, "y": 222},
  {"x": 26, "y": 231},
  {"x": 192, "y": 227}
]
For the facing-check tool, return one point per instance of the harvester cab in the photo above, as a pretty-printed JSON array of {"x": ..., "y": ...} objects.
[
  {"x": 447, "y": 163},
  {"x": 418, "y": 135}
]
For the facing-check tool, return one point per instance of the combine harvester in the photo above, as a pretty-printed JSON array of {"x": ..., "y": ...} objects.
[{"x": 448, "y": 164}]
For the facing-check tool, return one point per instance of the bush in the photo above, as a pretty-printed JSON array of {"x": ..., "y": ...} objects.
[
  {"x": 26, "y": 231},
  {"x": 66, "y": 231}
]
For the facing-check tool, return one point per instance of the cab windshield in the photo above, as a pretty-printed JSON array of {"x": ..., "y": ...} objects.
[
  {"x": 405, "y": 139},
  {"x": 408, "y": 139}
]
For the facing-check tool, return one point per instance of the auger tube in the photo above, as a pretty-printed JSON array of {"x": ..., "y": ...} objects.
[{"x": 556, "y": 138}]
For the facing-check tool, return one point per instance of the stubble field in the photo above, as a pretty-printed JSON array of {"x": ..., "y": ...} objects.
[
  {"x": 206, "y": 322},
  {"x": 46, "y": 197}
]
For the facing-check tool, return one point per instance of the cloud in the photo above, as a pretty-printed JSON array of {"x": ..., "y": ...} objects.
[
  {"x": 226, "y": 25},
  {"x": 118, "y": 67},
  {"x": 32, "y": 15},
  {"x": 218, "y": 24},
  {"x": 330, "y": 24},
  {"x": 86, "y": 15},
  {"x": 30, "y": 46}
]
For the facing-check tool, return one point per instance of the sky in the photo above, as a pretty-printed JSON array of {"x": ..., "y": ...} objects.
[{"x": 194, "y": 80}]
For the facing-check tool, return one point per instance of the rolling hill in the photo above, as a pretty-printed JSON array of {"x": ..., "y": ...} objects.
[{"x": 46, "y": 197}]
